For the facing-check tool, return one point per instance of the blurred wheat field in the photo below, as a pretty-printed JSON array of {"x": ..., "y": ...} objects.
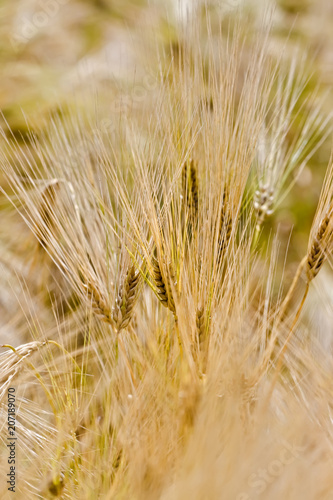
[{"x": 166, "y": 199}]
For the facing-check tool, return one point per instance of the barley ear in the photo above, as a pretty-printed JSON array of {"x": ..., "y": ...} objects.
[
  {"x": 191, "y": 190},
  {"x": 263, "y": 203},
  {"x": 321, "y": 240},
  {"x": 125, "y": 301},
  {"x": 201, "y": 330},
  {"x": 200, "y": 323},
  {"x": 96, "y": 300},
  {"x": 164, "y": 291},
  {"x": 225, "y": 230}
]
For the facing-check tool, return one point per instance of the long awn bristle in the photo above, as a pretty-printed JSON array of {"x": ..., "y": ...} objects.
[{"x": 46, "y": 211}]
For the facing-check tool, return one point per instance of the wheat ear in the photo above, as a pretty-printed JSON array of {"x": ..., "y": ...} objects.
[
  {"x": 96, "y": 300},
  {"x": 191, "y": 190},
  {"x": 225, "y": 229},
  {"x": 164, "y": 291},
  {"x": 202, "y": 339},
  {"x": 263, "y": 203},
  {"x": 123, "y": 309},
  {"x": 13, "y": 360},
  {"x": 200, "y": 324},
  {"x": 316, "y": 254}
]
